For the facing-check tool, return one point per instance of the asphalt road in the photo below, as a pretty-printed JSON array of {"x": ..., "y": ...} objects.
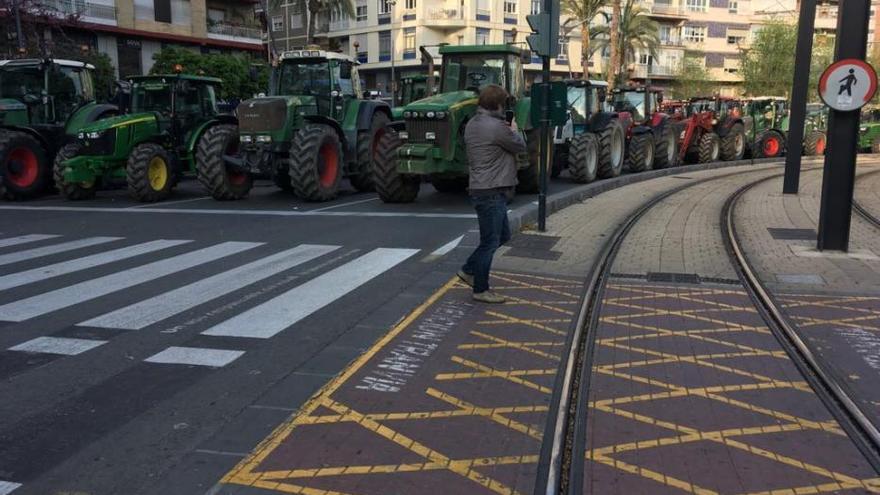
[{"x": 147, "y": 348}]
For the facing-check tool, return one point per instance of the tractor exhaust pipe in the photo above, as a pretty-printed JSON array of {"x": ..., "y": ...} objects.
[{"x": 429, "y": 60}]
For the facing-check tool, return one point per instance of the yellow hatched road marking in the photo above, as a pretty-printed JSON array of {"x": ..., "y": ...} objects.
[
  {"x": 511, "y": 376},
  {"x": 528, "y": 323},
  {"x": 488, "y": 412},
  {"x": 537, "y": 287},
  {"x": 873, "y": 485},
  {"x": 498, "y": 342},
  {"x": 651, "y": 475}
]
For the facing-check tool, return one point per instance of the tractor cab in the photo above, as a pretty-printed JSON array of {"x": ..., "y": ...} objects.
[
  {"x": 180, "y": 103},
  {"x": 43, "y": 92},
  {"x": 413, "y": 88},
  {"x": 633, "y": 100},
  {"x": 325, "y": 82},
  {"x": 768, "y": 111}
]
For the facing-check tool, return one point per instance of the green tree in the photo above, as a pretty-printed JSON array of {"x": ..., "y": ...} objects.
[
  {"x": 235, "y": 70},
  {"x": 692, "y": 78},
  {"x": 637, "y": 32},
  {"x": 583, "y": 12}
]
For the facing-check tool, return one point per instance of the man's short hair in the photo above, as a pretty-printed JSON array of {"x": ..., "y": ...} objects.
[{"x": 492, "y": 97}]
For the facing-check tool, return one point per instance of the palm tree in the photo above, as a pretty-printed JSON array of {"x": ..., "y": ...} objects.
[
  {"x": 636, "y": 32},
  {"x": 614, "y": 62},
  {"x": 583, "y": 12},
  {"x": 314, "y": 8}
]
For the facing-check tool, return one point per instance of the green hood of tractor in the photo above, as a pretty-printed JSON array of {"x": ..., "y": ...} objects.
[
  {"x": 451, "y": 102},
  {"x": 119, "y": 121}
]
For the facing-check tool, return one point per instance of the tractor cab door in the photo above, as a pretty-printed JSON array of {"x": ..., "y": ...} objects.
[
  {"x": 194, "y": 103},
  {"x": 344, "y": 91}
]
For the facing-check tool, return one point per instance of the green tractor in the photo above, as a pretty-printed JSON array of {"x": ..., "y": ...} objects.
[
  {"x": 869, "y": 130},
  {"x": 312, "y": 130},
  {"x": 412, "y": 88},
  {"x": 173, "y": 127},
  {"x": 767, "y": 129},
  {"x": 429, "y": 142},
  {"x": 43, "y": 102}
]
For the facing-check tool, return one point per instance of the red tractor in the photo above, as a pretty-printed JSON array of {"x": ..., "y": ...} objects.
[
  {"x": 651, "y": 136},
  {"x": 714, "y": 130}
]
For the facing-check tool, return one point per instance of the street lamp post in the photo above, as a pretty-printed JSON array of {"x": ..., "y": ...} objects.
[
  {"x": 391, "y": 4},
  {"x": 18, "y": 34}
]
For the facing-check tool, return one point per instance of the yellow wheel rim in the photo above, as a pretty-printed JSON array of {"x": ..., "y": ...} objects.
[{"x": 157, "y": 172}]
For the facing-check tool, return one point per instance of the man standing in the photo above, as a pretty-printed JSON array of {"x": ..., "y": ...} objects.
[{"x": 492, "y": 145}]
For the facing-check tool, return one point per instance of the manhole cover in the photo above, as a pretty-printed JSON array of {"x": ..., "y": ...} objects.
[
  {"x": 792, "y": 234},
  {"x": 675, "y": 278}
]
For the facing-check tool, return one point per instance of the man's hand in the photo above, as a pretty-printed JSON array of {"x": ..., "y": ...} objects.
[{"x": 513, "y": 126}]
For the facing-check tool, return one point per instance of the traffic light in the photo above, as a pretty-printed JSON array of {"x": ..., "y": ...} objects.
[{"x": 545, "y": 27}]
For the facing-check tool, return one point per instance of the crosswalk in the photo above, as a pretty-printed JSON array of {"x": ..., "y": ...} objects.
[{"x": 163, "y": 262}]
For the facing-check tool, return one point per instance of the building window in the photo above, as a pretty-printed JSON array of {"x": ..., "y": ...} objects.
[
  {"x": 536, "y": 7},
  {"x": 733, "y": 6},
  {"x": 361, "y": 13},
  {"x": 694, "y": 34},
  {"x": 697, "y": 5},
  {"x": 410, "y": 4},
  {"x": 385, "y": 46},
  {"x": 409, "y": 40},
  {"x": 645, "y": 59},
  {"x": 482, "y": 36},
  {"x": 384, "y": 7},
  {"x": 563, "y": 50},
  {"x": 510, "y": 7},
  {"x": 277, "y": 23},
  {"x": 296, "y": 21},
  {"x": 483, "y": 12},
  {"x": 509, "y": 37}
]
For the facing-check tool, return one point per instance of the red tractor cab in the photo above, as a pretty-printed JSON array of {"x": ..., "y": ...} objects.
[
  {"x": 651, "y": 136},
  {"x": 714, "y": 130}
]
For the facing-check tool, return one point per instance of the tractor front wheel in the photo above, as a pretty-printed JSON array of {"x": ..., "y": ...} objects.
[
  {"x": 583, "y": 158},
  {"x": 368, "y": 143},
  {"x": 150, "y": 173},
  {"x": 640, "y": 154},
  {"x": 316, "y": 163},
  {"x": 24, "y": 166},
  {"x": 392, "y": 186},
  {"x": 222, "y": 181},
  {"x": 709, "y": 148},
  {"x": 72, "y": 190},
  {"x": 771, "y": 145},
  {"x": 666, "y": 148},
  {"x": 733, "y": 145},
  {"x": 612, "y": 146},
  {"x": 815, "y": 143}
]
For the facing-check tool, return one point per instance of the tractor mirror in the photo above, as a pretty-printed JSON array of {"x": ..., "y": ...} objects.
[{"x": 345, "y": 71}]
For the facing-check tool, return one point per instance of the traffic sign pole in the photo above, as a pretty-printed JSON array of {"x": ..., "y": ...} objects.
[
  {"x": 545, "y": 144},
  {"x": 800, "y": 85},
  {"x": 838, "y": 180}
]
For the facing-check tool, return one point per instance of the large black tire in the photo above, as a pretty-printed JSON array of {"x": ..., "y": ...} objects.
[
  {"x": 583, "y": 158},
  {"x": 368, "y": 141},
  {"x": 640, "y": 152},
  {"x": 814, "y": 144},
  {"x": 771, "y": 144},
  {"x": 212, "y": 171},
  {"x": 529, "y": 178},
  {"x": 71, "y": 190},
  {"x": 392, "y": 186},
  {"x": 709, "y": 148},
  {"x": 24, "y": 167},
  {"x": 666, "y": 148},
  {"x": 733, "y": 144},
  {"x": 316, "y": 163},
  {"x": 453, "y": 185},
  {"x": 150, "y": 173},
  {"x": 612, "y": 149}
]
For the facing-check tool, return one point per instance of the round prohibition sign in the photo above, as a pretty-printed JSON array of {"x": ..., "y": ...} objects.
[{"x": 848, "y": 85}]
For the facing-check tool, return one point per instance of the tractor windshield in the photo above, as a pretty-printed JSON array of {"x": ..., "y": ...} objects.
[
  {"x": 578, "y": 104},
  {"x": 151, "y": 96},
  {"x": 305, "y": 77},
  {"x": 474, "y": 71},
  {"x": 19, "y": 81},
  {"x": 630, "y": 101},
  {"x": 413, "y": 90}
]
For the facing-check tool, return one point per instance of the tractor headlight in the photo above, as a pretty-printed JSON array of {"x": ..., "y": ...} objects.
[
  {"x": 714, "y": 121},
  {"x": 430, "y": 136},
  {"x": 441, "y": 115},
  {"x": 264, "y": 139},
  {"x": 403, "y": 135},
  {"x": 95, "y": 134},
  {"x": 681, "y": 136},
  {"x": 246, "y": 138},
  {"x": 407, "y": 114},
  {"x": 81, "y": 135},
  {"x": 863, "y": 129},
  {"x": 430, "y": 115}
]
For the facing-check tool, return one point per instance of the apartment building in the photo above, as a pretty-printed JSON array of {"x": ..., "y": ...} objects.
[{"x": 130, "y": 32}]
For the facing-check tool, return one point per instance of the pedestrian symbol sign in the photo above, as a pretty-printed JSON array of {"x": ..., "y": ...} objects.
[{"x": 848, "y": 85}]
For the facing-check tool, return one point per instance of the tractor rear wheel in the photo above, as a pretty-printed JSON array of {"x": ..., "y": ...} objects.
[
  {"x": 770, "y": 145},
  {"x": 449, "y": 184},
  {"x": 392, "y": 186},
  {"x": 71, "y": 190},
  {"x": 316, "y": 163},
  {"x": 222, "y": 182},
  {"x": 640, "y": 153},
  {"x": 612, "y": 146},
  {"x": 530, "y": 177},
  {"x": 666, "y": 148},
  {"x": 583, "y": 158},
  {"x": 368, "y": 142},
  {"x": 149, "y": 173},
  {"x": 24, "y": 166},
  {"x": 733, "y": 145},
  {"x": 709, "y": 148},
  {"x": 814, "y": 144}
]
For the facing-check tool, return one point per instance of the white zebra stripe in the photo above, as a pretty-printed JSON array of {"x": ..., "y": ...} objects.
[
  {"x": 273, "y": 316},
  {"x": 24, "y": 239},
  {"x": 39, "y": 252},
  {"x": 150, "y": 311},
  {"x": 48, "y": 302}
]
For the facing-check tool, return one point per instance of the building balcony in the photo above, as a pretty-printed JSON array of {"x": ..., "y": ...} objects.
[
  {"x": 657, "y": 71},
  {"x": 97, "y": 13},
  {"x": 339, "y": 25},
  {"x": 445, "y": 17},
  {"x": 667, "y": 11},
  {"x": 235, "y": 32},
  {"x": 673, "y": 41}
]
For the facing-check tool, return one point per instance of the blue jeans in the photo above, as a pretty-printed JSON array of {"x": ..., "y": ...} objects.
[{"x": 494, "y": 232}]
